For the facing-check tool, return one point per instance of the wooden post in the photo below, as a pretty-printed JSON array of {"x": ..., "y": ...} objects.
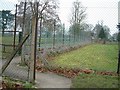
[
  {"x": 118, "y": 69},
  {"x": 33, "y": 45},
  {"x": 15, "y": 29},
  {"x": 23, "y": 34}
]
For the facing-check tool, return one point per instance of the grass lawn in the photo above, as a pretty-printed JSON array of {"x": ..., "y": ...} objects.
[
  {"x": 95, "y": 81},
  {"x": 96, "y": 56},
  {"x": 7, "y": 40}
]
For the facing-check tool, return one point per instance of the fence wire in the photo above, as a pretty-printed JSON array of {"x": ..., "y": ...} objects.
[{"x": 57, "y": 39}]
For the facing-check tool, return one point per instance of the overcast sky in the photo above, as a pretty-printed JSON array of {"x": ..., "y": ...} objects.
[{"x": 97, "y": 10}]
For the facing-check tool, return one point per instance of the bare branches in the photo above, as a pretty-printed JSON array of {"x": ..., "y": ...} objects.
[
  {"x": 77, "y": 19},
  {"x": 47, "y": 11},
  {"x": 78, "y": 13}
]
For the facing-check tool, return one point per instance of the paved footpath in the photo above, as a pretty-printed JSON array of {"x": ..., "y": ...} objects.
[{"x": 43, "y": 80}]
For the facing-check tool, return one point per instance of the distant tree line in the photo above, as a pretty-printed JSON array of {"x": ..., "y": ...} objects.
[
  {"x": 116, "y": 37},
  {"x": 101, "y": 33},
  {"x": 6, "y": 19},
  {"x": 78, "y": 26}
]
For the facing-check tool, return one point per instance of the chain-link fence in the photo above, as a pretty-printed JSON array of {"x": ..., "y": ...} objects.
[
  {"x": 12, "y": 42},
  {"x": 9, "y": 42},
  {"x": 17, "y": 37},
  {"x": 11, "y": 38},
  {"x": 61, "y": 40}
]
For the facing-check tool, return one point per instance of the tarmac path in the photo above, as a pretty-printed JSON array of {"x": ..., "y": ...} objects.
[{"x": 43, "y": 80}]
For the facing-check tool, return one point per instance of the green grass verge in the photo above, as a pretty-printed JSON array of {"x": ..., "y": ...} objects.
[
  {"x": 9, "y": 40},
  {"x": 97, "y": 57},
  {"x": 11, "y": 82},
  {"x": 95, "y": 81}
]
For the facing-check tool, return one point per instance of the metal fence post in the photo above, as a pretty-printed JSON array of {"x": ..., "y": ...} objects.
[
  {"x": 54, "y": 33},
  {"x": 20, "y": 39},
  {"x": 118, "y": 69}
]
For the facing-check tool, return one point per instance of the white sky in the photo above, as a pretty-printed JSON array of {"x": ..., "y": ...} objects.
[{"x": 97, "y": 10}]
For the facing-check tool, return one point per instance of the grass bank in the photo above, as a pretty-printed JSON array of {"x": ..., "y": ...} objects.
[{"x": 96, "y": 57}]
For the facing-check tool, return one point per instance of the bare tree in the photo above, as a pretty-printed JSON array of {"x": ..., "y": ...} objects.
[
  {"x": 47, "y": 13},
  {"x": 77, "y": 18},
  {"x": 78, "y": 13}
]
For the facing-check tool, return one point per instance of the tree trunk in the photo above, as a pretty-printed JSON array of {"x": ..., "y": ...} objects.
[
  {"x": 24, "y": 32},
  {"x": 15, "y": 29},
  {"x": 40, "y": 31},
  {"x": 104, "y": 41},
  {"x": 33, "y": 46},
  {"x": 63, "y": 33},
  {"x": 74, "y": 36}
]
